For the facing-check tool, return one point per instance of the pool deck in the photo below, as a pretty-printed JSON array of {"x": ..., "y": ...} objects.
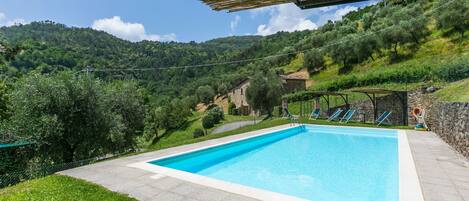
[{"x": 443, "y": 173}]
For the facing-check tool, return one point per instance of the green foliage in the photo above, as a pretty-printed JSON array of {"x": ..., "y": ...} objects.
[
  {"x": 264, "y": 92},
  {"x": 190, "y": 101},
  {"x": 205, "y": 94},
  {"x": 172, "y": 115},
  {"x": 217, "y": 114},
  {"x": 223, "y": 88},
  {"x": 314, "y": 60},
  {"x": 59, "y": 188},
  {"x": 232, "y": 109},
  {"x": 4, "y": 101},
  {"x": 453, "y": 15},
  {"x": 454, "y": 92},
  {"x": 12, "y": 160},
  {"x": 451, "y": 71},
  {"x": 454, "y": 71},
  {"x": 198, "y": 133},
  {"x": 208, "y": 121},
  {"x": 74, "y": 117}
]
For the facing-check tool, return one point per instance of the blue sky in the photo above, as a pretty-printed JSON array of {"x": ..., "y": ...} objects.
[{"x": 180, "y": 20}]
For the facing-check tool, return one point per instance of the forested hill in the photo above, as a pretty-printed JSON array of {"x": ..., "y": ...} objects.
[
  {"x": 49, "y": 47},
  {"x": 376, "y": 39}
]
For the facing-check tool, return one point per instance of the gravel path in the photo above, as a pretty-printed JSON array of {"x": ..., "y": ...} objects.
[{"x": 233, "y": 126}]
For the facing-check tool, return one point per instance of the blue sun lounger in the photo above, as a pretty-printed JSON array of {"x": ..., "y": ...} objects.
[
  {"x": 383, "y": 117},
  {"x": 347, "y": 116},
  {"x": 335, "y": 115},
  {"x": 315, "y": 114}
]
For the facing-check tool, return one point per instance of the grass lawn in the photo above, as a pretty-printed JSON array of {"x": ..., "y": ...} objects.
[
  {"x": 455, "y": 92},
  {"x": 186, "y": 133},
  {"x": 59, "y": 188}
]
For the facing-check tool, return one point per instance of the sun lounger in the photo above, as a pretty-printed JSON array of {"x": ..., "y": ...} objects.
[
  {"x": 347, "y": 116},
  {"x": 315, "y": 114},
  {"x": 335, "y": 115},
  {"x": 382, "y": 118}
]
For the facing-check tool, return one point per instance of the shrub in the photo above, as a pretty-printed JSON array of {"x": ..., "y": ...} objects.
[
  {"x": 232, "y": 109},
  {"x": 217, "y": 114},
  {"x": 208, "y": 121},
  {"x": 454, "y": 71},
  {"x": 198, "y": 133}
]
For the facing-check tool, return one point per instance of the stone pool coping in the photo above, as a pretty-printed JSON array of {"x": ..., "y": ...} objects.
[{"x": 409, "y": 185}]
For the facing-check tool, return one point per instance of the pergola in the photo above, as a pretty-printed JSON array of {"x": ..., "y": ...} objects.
[
  {"x": 310, "y": 95},
  {"x": 372, "y": 93},
  {"x": 237, "y": 5}
]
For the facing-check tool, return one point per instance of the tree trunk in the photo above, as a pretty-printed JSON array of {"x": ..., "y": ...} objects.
[
  {"x": 395, "y": 49},
  {"x": 69, "y": 153},
  {"x": 416, "y": 40}
]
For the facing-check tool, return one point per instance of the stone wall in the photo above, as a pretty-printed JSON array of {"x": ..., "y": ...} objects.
[{"x": 450, "y": 120}]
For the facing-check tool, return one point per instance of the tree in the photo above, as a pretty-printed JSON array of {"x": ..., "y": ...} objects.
[
  {"x": 342, "y": 52},
  {"x": 264, "y": 92},
  {"x": 314, "y": 60},
  {"x": 190, "y": 101},
  {"x": 453, "y": 15},
  {"x": 208, "y": 122},
  {"x": 205, "y": 94},
  {"x": 72, "y": 117},
  {"x": 223, "y": 88},
  {"x": 172, "y": 115},
  {"x": 4, "y": 101},
  {"x": 123, "y": 101}
]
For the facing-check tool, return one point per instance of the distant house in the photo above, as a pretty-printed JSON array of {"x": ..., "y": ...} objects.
[
  {"x": 291, "y": 83},
  {"x": 237, "y": 96}
]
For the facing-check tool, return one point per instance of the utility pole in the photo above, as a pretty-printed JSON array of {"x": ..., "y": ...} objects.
[{"x": 89, "y": 69}]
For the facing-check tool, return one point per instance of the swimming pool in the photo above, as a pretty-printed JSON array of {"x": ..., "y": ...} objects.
[{"x": 321, "y": 163}]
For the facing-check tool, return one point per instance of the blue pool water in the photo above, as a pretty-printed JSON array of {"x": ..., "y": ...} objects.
[{"x": 319, "y": 163}]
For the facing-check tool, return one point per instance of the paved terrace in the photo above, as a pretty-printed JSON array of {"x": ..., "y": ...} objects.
[{"x": 443, "y": 174}]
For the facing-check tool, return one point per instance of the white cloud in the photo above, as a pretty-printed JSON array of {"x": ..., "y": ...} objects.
[
  {"x": 327, "y": 8},
  {"x": 5, "y": 22},
  {"x": 234, "y": 23},
  {"x": 286, "y": 17},
  {"x": 343, "y": 11},
  {"x": 129, "y": 31}
]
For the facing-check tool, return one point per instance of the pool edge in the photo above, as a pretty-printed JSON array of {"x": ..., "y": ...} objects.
[
  {"x": 219, "y": 184},
  {"x": 409, "y": 185}
]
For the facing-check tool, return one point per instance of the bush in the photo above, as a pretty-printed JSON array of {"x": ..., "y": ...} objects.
[
  {"x": 454, "y": 71},
  {"x": 232, "y": 109},
  {"x": 198, "y": 133},
  {"x": 208, "y": 121},
  {"x": 217, "y": 114}
]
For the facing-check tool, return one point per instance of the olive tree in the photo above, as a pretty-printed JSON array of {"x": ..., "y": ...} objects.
[
  {"x": 72, "y": 117},
  {"x": 264, "y": 92},
  {"x": 314, "y": 60},
  {"x": 205, "y": 94},
  {"x": 453, "y": 15}
]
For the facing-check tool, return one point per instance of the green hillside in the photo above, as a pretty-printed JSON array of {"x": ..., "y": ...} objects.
[{"x": 355, "y": 48}]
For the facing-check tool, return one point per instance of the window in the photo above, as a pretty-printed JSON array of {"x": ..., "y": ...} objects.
[{"x": 241, "y": 91}]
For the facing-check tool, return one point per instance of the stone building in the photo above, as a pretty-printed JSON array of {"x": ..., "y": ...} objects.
[{"x": 237, "y": 95}]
